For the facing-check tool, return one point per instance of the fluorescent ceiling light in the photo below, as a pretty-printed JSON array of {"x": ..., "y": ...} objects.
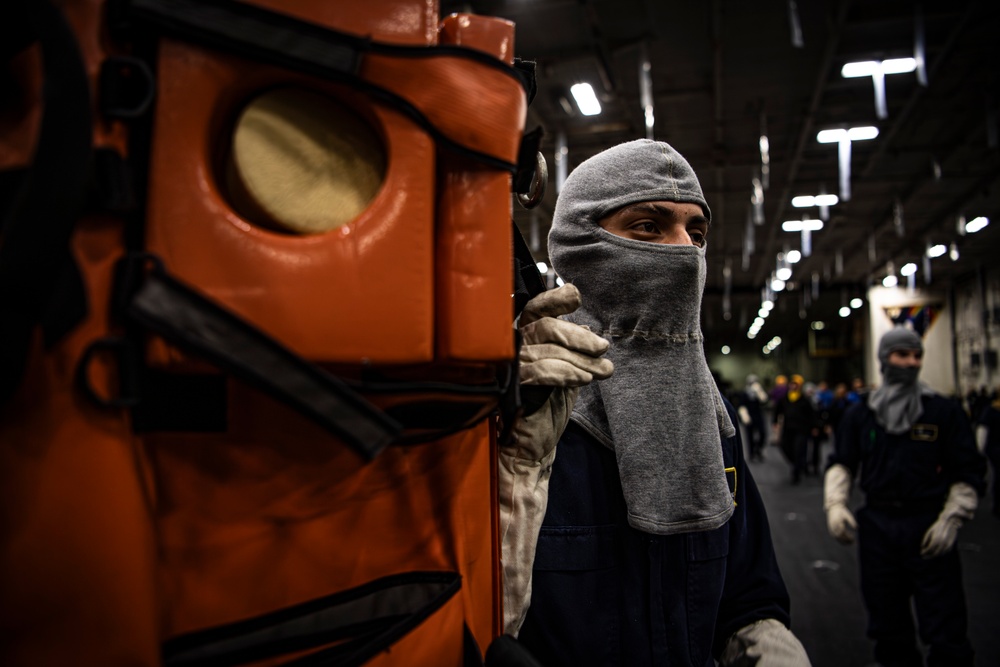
[
  {"x": 844, "y": 311},
  {"x": 776, "y": 340},
  {"x": 777, "y": 285},
  {"x": 856, "y": 302},
  {"x": 870, "y": 67},
  {"x": 818, "y": 325},
  {"x": 862, "y": 133},
  {"x": 937, "y": 250},
  {"x": 807, "y": 201},
  {"x": 802, "y": 225},
  {"x": 899, "y": 65},
  {"x": 793, "y": 256},
  {"x": 542, "y": 267},
  {"x": 767, "y": 305},
  {"x": 758, "y": 321},
  {"x": 854, "y": 134},
  {"x": 763, "y": 313},
  {"x": 976, "y": 224},
  {"x": 862, "y": 68},
  {"x": 783, "y": 274},
  {"x": 585, "y": 98},
  {"x": 889, "y": 281},
  {"x": 908, "y": 269}
]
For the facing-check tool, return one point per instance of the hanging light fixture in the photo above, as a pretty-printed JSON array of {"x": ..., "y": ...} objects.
[
  {"x": 843, "y": 139},
  {"x": 877, "y": 71},
  {"x": 586, "y": 99}
]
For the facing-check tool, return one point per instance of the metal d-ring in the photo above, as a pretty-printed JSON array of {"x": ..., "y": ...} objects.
[{"x": 537, "y": 190}]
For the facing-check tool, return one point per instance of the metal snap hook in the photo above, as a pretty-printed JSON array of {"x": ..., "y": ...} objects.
[{"x": 536, "y": 192}]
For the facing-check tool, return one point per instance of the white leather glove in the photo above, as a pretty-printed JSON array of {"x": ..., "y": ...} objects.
[
  {"x": 766, "y": 643},
  {"x": 744, "y": 415},
  {"x": 836, "y": 491},
  {"x": 554, "y": 353},
  {"x": 960, "y": 505}
]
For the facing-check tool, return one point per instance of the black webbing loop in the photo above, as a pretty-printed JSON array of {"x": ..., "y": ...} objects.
[
  {"x": 127, "y": 87},
  {"x": 365, "y": 620},
  {"x": 124, "y": 353},
  {"x": 34, "y": 250},
  {"x": 189, "y": 320},
  {"x": 528, "y": 283},
  {"x": 278, "y": 39}
]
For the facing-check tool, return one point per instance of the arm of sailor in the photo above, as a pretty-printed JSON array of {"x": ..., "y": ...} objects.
[{"x": 565, "y": 356}]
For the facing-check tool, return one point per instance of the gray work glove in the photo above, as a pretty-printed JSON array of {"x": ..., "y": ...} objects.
[
  {"x": 836, "y": 491},
  {"x": 565, "y": 356},
  {"x": 765, "y": 643},
  {"x": 555, "y": 353},
  {"x": 941, "y": 536}
]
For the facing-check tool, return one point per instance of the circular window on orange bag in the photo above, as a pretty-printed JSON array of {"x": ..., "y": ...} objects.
[{"x": 302, "y": 163}]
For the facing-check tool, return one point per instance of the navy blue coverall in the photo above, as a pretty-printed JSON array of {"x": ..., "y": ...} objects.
[
  {"x": 906, "y": 478},
  {"x": 606, "y": 594}
]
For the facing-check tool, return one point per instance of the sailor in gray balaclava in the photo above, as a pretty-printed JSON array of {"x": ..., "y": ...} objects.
[
  {"x": 655, "y": 546},
  {"x": 922, "y": 475}
]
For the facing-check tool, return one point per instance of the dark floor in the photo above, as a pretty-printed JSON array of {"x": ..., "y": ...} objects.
[{"x": 828, "y": 615}]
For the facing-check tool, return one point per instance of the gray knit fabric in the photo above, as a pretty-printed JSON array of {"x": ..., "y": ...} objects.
[
  {"x": 660, "y": 411},
  {"x": 896, "y": 402}
]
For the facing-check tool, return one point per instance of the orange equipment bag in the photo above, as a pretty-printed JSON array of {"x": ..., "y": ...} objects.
[{"x": 237, "y": 427}]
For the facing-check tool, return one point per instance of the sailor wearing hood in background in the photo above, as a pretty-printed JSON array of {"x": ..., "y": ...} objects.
[
  {"x": 922, "y": 476},
  {"x": 655, "y": 547}
]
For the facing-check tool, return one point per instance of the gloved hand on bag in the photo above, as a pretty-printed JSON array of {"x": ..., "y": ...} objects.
[
  {"x": 940, "y": 537},
  {"x": 836, "y": 491},
  {"x": 558, "y": 354},
  {"x": 555, "y": 353}
]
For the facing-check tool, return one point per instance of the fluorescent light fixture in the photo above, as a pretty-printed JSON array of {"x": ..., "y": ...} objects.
[
  {"x": 585, "y": 98},
  {"x": 725, "y": 349},
  {"x": 856, "y": 303},
  {"x": 908, "y": 269},
  {"x": 758, "y": 321},
  {"x": 793, "y": 256},
  {"x": 869, "y": 67},
  {"x": 889, "y": 281},
  {"x": 777, "y": 285},
  {"x": 807, "y": 201},
  {"x": 751, "y": 335},
  {"x": 801, "y": 225},
  {"x": 976, "y": 224},
  {"x": 542, "y": 267},
  {"x": 767, "y": 303},
  {"x": 898, "y": 65},
  {"x": 783, "y": 274},
  {"x": 844, "y": 311},
  {"x": 861, "y": 68},
  {"x": 860, "y": 133},
  {"x": 818, "y": 325},
  {"x": 937, "y": 250},
  {"x": 776, "y": 340},
  {"x": 763, "y": 313}
]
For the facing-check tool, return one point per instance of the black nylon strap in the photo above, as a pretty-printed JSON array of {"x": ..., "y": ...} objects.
[
  {"x": 35, "y": 261},
  {"x": 278, "y": 39},
  {"x": 367, "y": 620},
  {"x": 189, "y": 320}
]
